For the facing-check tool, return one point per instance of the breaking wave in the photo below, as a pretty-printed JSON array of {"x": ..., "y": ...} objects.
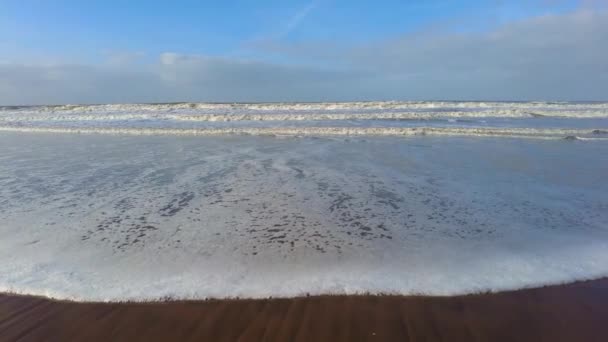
[
  {"x": 383, "y": 105},
  {"x": 345, "y": 110},
  {"x": 518, "y": 119},
  {"x": 580, "y": 134}
]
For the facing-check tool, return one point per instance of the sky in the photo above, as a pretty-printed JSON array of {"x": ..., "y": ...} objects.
[{"x": 68, "y": 51}]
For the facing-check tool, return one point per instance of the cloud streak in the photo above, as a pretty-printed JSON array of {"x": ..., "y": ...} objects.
[{"x": 297, "y": 19}]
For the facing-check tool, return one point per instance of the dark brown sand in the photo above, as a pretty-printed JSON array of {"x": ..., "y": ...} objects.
[{"x": 577, "y": 312}]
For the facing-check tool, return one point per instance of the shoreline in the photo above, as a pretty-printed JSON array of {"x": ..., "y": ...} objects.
[
  {"x": 601, "y": 281},
  {"x": 562, "y": 312}
]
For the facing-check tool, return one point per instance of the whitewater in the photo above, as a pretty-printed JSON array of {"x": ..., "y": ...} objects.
[
  {"x": 145, "y": 202},
  {"x": 523, "y": 119}
]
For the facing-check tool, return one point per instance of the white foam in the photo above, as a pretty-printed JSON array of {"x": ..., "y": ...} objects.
[
  {"x": 304, "y": 111},
  {"x": 531, "y": 120},
  {"x": 536, "y": 119},
  {"x": 542, "y": 133},
  {"x": 318, "y": 106},
  {"x": 115, "y": 218}
]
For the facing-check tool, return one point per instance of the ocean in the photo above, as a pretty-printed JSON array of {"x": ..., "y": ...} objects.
[{"x": 190, "y": 201}]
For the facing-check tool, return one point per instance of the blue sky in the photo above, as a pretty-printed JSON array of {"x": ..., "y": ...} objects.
[
  {"x": 89, "y": 29},
  {"x": 324, "y": 45}
]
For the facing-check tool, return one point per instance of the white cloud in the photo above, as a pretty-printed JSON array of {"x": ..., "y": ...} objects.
[
  {"x": 168, "y": 58},
  {"x": 119, "y": 58},
  {"x": 553, "y": 57},
  {"x": 547, "y": 57},
  {"x": 177, "y": 78}
]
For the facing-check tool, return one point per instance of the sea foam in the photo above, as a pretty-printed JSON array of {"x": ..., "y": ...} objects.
[
  {"x": 121, "y": 217},
  {"x": 514, "y": 119}
]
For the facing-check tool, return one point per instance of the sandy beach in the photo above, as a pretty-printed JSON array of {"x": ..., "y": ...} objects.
[
  {"x": 301, "y": 226},
  {"x": 576, "y": 312},
  {"x": 304, "y": 171}
]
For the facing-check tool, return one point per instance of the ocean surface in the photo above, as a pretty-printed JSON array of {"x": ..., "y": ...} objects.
[
  {"x": 192, "y": 201},
  {"x": 530, "y": 119}
]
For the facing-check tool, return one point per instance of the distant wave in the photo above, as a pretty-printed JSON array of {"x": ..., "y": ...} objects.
[
  {"x": 228, "y": 117},
  {"x": 507, "y": 113},
  {"x": 318, "y": 105},
  {"x": 534, "y": 119},
  {"x": 326, "y": 110},
  {"x": 330, "y": 131}
]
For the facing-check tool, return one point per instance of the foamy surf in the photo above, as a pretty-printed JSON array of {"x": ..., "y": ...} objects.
[
  {"x": 541, "y": 120},
  {"x": 121, "y": 217},
  {"x": 571, "y": 134},
  {"x": 529, "y": 107}
]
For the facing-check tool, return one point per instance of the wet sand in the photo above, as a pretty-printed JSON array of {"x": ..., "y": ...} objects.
[{"x": 577, "y": 312}]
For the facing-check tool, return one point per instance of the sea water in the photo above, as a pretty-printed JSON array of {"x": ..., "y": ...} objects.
[{"x": 452, "y": 198}]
